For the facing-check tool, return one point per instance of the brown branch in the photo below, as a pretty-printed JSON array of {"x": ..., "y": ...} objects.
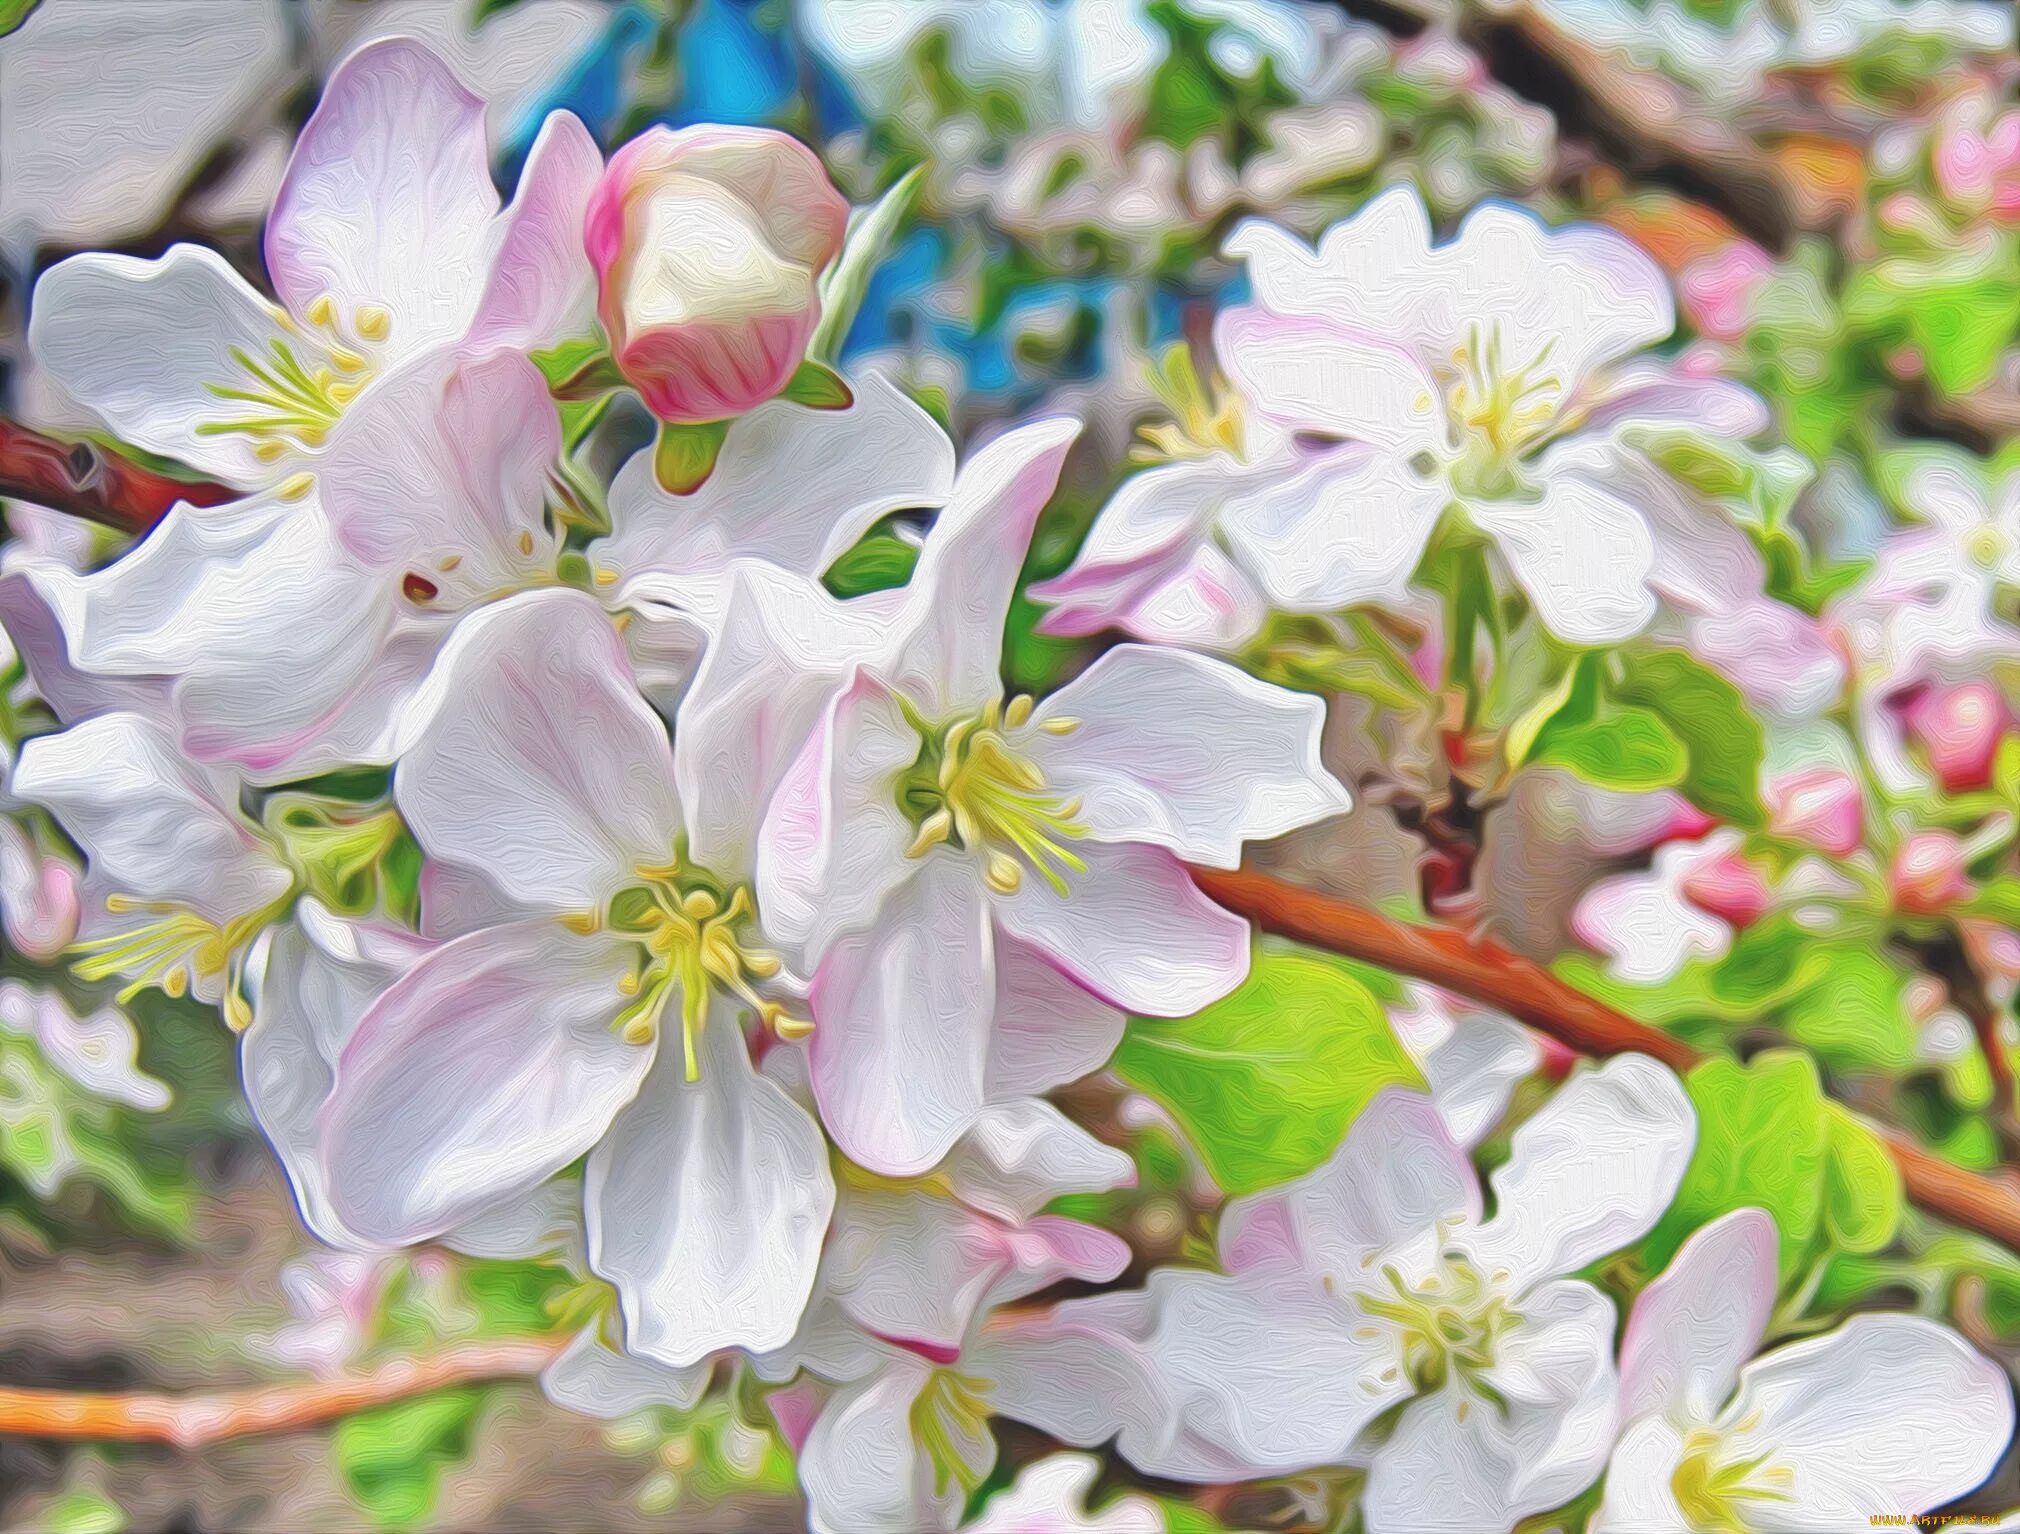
[
  {"x": 1491, "y": 975},
  {"x": 193, "y": 1421},
  {"x": 87, "y": 480}
]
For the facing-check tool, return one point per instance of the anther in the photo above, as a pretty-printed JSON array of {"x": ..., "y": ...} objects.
[
  {"x": 1004, "y": 876},
  {"x": 933, "y": 830},
  {"x": 296, "y": 486},
  {"x": 373, "y": 322},
  {"x": 1019, "y": 711},
  {"x": 322, "y": 311},
  {"x": 1060, "y": 726},
  {"x": 697, "y": 905}
]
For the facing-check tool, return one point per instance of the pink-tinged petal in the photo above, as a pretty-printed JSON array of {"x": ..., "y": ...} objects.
[
  {"x": 1396, "y": 1175},
  {"x": 1887, "y": 1411},
  {"x": 1021, "y": 1155},
  {"x": 39, "y": 896},
  {"x": 707, "y": 1203},
  {"x": 1134, "y": 929},
  {"x": 1822, "y": 806},
  {"x": 959, "y": 595},
  {"x": 1702, "y": 1318},
  {"x": 540, "y": 289},
  {"x": 903, "y": 1015},
  {"x": 387, "y": 202},
  {"x": 535, "y": 761},
  {"x": 1077, "y": 1370},
  {"x": 912, "y": 1266},
  {"x": 831, "y": 851},
  {"x": 142, "y": 344},
  {"x": 482, "y": 1072},
  {"x": 1590, "y": 1173},
  {"x": 1049, "y": 1030},
  {"x": 1311, "y": 375},
  {"x": 1646, "y": 928},
  {"x": 1582, "y": 555},
  {"x": 1158, "y": 733},
  {"x": 1208, "y": 602},
  {"x": 862, "y": 1467},
  {"x": 1154, "y": 520},
  {"x": 1348, "y": 526},
  {"x": 596, "y": 1380},
  {"x": 1657, "y": 394},
  {"x": 152, "y": 823}
]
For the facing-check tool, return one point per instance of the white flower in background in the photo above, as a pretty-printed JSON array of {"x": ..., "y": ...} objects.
[
  {"x": 181, "y": 883},
  {"x": 1886, "y": 1411},
  {"x": 1049, "y": 1496},
  {"x": 39, "y": 900},
  {"x": 385, "y": 243},
  {"x": 336, "y": 1299},
  {"x": 1978, "y": 521},
  {"x": 1471, "y": 1058},
  {"x": 1379, "y": 381},
  {"x": 933, "y": 838},
  {"x": 605, "y": 1018},
  {"x": 1372, "y": 1284},
  {"x": 1688, "y": 903},
  {"x": 99, "y": 1053}
]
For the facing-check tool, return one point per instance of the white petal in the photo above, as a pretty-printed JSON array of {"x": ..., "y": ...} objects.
[
  {"x": 1645, "y": 927},
  {"x": 1157, "y": 731},
  {"x": 1050, "y": 1497},
  {"x": 959, "y": 596},
  {"x": 1049, "y": 1031},
  {"x": 535, "y": 760},
  {"x": 1373, "y": 270},
  {"x": 1656, "y": 393},
  {"x": 142, "y": 343},
  {"x": 543, "y": 1224},
  {"x": 1311, "y": 375},
  {"x": 792, "y": 485},
  {"x": 387, "y": 199},
  {"x": 1134, "y": 929},
  {"x": 831, "y": 849},
  {"x": 861, "y": 1468},
  {"x": 39, "y": 605},
  {"x": 596, "y": 1380},
  {"x": 99, "y": 1053},
  {"x": 1887, "y": 1411},
  {"x": 1349, "y": 526},
  {"x": 707, "y": 1203},
  {"x": 1395, "y": 1176},
  {"x": 1207, "y": 602},
  {"x": 152, "y": 823},
  {"x": 1703, "y": 1317},
  {"x": 1639, "y": 1497},
  {"x": 1471, "y": 1059},
  {"x": 902, "y": 1021},
  {"x": 482, "y": 1072},
  {"x": 1590, "y": 1173},
  {"x": 1021, "y": 1155},
  {"x": 540, "y": 288},
  {"x": 1582, "y": 555},
  {"x": 1152, "y": 521}
]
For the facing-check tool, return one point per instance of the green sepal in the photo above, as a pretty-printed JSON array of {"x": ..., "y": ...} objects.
[
  {"x": 594, "y": 378},
  {"x": 818, "y": 387},
  {"x": 686, "y": 454}
]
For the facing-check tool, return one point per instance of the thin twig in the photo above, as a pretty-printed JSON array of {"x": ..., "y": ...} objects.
[
  {"x": 90, "y": 481},
  {"x": 193, "y": 1421}
]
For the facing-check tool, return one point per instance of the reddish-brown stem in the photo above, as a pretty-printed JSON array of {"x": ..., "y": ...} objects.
[
  {"x": 192, "y": 1421},
  {"x": 87, "y": 480},
  {"x": 1491, "y": 975}
]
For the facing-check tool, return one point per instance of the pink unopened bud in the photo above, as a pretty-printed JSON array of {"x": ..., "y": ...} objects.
[
  {"x": 1728, "y": 886},
  {"x": 708, "y": 245},
  {"x": 1959, "y": 730},
  {"x": 1928, "y": 876},
  {"x": 1718, "y": 290},
  {"x": 1821, "y": 806}
]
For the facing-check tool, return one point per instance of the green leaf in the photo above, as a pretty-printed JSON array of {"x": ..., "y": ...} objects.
[
  {"x": 844, "y": 284},
  {"x": 686, "y": 455},
  {"x": 879, "y": 563},
  {"x": 819, "y": 387},
  {"x": 1625, "y": 748},
  {"x": 1267, "y": 1080},
  {"x": 82, "y": 1512},
  {"x": 393, "y": 1458},
  {"x": 1527, "y": 730},
  {"x": 14, "y": 12},
  {"x": 1862, "y": 1186},
  {"x": 1707, "y": 713},
  {"x": 1850, "y": 1011}
]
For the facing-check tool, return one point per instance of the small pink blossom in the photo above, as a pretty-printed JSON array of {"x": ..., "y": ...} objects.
[
  {"x": 1718, "y": 290},
  {"x": 1928, "y": 874},
  {"x": 1729, "y": 886},
  {"x": 1959, "y": 730},
  {"x": 1821, "y": 806}
]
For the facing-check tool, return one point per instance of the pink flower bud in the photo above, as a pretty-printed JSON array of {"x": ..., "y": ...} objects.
[
  {"x": 1928, "y": 876},
  {"x": 708, "y": 244},
  {"x": 1728, "y": 886},
  {"x": 1959, "y": 730},
  {"x": 1821, "y": 806}
]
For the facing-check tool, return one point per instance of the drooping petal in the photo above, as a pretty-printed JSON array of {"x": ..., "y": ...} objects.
[
  {"x": 1157, "y": 731},
  {"x": 597, "y": 1380},
  {"x": 792, "y": 485},
  {"x": 902, "y": 1020},
  {"x": 1705, "y": 1315},
  {"x": 1888, "y": 1411},
  {"x": 1049, "y": 1030},
  {"x": 1582, "y": 555},
  {"x": 99, "y": 1053},
  {"x": 1396, "y": 1175},
  {"x": 535, "y": 760},
  {"x": 707, "y": 1202},
  {"x": 861, "y": 1467},
  {"x": 1134, "y": 929},
  {"x": 1653, "y": 393},
  {"x": 540, "y": 289},
  {"x": 1020, "y": 1155},
  {"x": 1315, "y": 376},
  {"x": 387, "y": 200},
  {"x": 1590, "y": 1173},
  {"x": 143, "y": 344},
  {"x": 1153, "y": 520},
  {"x": 486, "y": 1069},
  {"x": 959, "y": 596},
  {"x": 1207, "y": 602},
  {"x": 153, "y": 824}
]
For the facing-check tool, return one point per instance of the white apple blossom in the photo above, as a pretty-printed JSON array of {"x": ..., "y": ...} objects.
[
  {"x": 933, "y": 843},
  {"x": 1380, "y": 1264},
  {"x": 604, "y": 1017},
  {"x": 1687, "y": 904},
  {"x": 99, "y": 1053},
  {"x": 1379, "y": 382},
  {"x": 1471, "y": 1058},
  {"x": 1886, "y": 1412}
]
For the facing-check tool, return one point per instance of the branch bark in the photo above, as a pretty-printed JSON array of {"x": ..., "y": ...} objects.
[
  {"x": 1491, "y": 975},
  {"x": 194, "y": 1421},
  {"x": 90, "y": 481}
]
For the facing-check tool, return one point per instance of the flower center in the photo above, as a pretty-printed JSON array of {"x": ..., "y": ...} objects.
[
  {"x": 950, "y": 1421},
  {"x": 1498, "y": 410},
  {"x": 1205, "y": 420},
  {"x": 179, "y": 952},
  {"x": 1713, "y": 1492},
  {"x": 693, "y": 938},
  {"x": 972, "y": 788},
  {"x": 1451, "y": 1320},
  {"x": 1985, "y": 546},
  {"x": 293, "y": 395}
]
